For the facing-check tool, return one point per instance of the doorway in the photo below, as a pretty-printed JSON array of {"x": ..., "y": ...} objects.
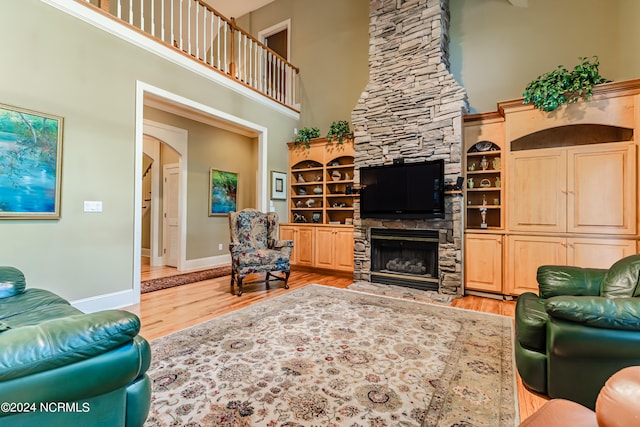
[{"x": 166, "y": 146}]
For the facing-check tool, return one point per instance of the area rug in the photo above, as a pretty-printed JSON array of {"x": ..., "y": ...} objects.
[
  {"x": 183, "y": 279},
  {"x": 322, "y": 356}
]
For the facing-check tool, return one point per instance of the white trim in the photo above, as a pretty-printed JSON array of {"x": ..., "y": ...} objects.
[
  {"x": 108, "y": 301},
  {"x": 284, "y": 25},
  {"x": 209, "y": 262},
  {"x": 91, "y": 17},
  {"x": 154, "y": 152}
]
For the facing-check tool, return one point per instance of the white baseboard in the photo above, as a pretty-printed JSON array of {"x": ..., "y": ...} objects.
[
  {"x": 209, "y": 262},
  {"x": 108, "y": 301},
  {"x": 145, "y": 252}
]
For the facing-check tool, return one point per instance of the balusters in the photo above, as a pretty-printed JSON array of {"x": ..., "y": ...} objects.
[{"x": 194, "y": 27}]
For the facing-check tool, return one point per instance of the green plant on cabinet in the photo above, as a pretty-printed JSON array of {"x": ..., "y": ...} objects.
[{"x": 555, "y": 88}]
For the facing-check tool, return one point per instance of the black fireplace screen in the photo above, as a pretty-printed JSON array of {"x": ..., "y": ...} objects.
[{"x": 406, "y": 257}]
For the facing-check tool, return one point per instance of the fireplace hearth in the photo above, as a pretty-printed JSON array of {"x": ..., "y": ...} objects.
[{"x": 405, "y": 257}]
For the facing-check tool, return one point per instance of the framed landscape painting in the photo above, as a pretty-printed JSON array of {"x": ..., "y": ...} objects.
[
  {"x": 30, "y": 164},
  {"x": 223, "y": 190}
]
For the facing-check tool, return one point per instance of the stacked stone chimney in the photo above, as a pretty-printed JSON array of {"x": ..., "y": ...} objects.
[{"x": 411, "y": 108}]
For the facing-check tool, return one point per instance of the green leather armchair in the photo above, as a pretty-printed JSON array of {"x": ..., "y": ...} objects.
[
  {"x": 62, "y": 367},
  {"x": 583, "y": 327}
]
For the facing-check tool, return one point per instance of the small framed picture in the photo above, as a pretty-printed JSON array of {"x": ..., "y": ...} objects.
[
  {"x": 278, "y": 185},
  {"x": 316, "y": 217}
]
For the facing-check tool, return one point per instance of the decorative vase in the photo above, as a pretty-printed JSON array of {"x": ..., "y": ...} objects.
[
  {"x": 317, "y": 190},
  {"x": 470, "y": 182},
  {"x": 484, "y": 163}
]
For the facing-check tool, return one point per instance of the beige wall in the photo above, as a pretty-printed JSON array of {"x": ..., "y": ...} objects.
[
  {"x": 497, "y": 49},
  {"x": 330, "y": 45},
  {"x": 64, "y": 66}
]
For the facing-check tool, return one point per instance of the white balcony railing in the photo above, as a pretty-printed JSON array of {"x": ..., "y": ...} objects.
[{"x": 203, "y": 34}]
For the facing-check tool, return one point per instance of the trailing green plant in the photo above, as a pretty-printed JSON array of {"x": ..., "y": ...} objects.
[
  {"x": 339, "y": 131},
  {"x": 305, "y": 135},
  {"x": 550, "y": 90}
]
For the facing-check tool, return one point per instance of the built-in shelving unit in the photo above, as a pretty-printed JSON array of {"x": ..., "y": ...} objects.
[{"x": 321, "y": 179}]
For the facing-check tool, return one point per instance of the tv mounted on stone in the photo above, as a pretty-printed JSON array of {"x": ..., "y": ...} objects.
[{"x": 403, "y": 191}]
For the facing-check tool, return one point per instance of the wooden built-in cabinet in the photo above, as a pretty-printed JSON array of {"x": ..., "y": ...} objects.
[
  {"x": 321, "y": 205},
  {"x": 584, "y": 189},
  {"x": 525, "y": 253},
  {"x": 567, "y": 194}
]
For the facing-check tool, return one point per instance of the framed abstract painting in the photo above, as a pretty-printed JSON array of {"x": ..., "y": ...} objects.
[
  {"x": 30, "y": 164},
  {"x": 223, "y": 191}
]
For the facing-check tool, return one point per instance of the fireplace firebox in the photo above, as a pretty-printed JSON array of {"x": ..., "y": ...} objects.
[{"x": 406, "y": 257}]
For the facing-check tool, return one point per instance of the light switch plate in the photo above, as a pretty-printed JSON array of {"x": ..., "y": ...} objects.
[{"x": 92, "y": 206}]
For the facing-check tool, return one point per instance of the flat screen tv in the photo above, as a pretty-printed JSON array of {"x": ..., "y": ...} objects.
[{"x": 407, "y": 190}]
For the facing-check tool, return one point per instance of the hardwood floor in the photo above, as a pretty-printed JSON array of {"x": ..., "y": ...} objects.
[{"x": 169, "y": 310}]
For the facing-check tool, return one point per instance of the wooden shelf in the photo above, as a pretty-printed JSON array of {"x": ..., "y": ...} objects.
[{"x": 330, "y": 158}]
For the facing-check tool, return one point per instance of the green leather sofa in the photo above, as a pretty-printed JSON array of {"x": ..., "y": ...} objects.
[
  {"x": 62, "y": 367},
  {"x": 582, "y": 328}
]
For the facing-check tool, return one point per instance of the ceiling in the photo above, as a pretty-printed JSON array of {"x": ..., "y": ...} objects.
[{"x": 236, "y": 8}]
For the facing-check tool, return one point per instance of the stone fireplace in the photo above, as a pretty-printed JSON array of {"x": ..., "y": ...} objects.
[{"x": 411, "y": 109}]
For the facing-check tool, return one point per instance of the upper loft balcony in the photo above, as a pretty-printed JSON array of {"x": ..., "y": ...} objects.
[{"x": 200, "y": 33}]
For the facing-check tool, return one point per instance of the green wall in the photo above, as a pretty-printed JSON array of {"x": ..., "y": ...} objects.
[
  {"x": 330, "y": 45},
  {"x": 497, "y": 49},
  {"x": 59, "y": 64}
]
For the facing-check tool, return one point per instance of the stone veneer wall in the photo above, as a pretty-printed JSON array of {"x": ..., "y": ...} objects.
[{"x": 412, "y": 108}]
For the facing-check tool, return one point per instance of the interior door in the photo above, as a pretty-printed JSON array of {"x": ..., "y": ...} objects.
[{"x": 171, "y": 214}]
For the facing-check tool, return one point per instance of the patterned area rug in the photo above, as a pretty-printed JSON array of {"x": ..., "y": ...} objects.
[
  {"x": 321, "y": 356},
  {"x": 182, "y": 279}
]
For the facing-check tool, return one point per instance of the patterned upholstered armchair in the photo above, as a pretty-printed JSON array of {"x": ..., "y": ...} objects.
[{"x": 255, "y": 247}]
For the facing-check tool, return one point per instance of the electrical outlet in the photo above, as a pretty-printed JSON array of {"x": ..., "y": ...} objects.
[{"x": 219, "y": 246}]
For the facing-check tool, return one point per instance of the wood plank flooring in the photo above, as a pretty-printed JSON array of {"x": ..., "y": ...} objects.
[{"x": 169, "y": 310}]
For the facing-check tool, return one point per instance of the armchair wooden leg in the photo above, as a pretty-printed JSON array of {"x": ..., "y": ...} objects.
[
  {"x": 286, "y": 279},
  {"x": 240, "y": 285},
  {"x": 266, "y": 279}
]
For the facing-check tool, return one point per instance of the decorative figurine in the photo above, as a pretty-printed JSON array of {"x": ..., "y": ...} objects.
[{"x": 483, "y": 214}]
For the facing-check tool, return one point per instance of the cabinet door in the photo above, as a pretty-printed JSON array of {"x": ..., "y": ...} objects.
[
  {"x": 537, "y": 190},
  {"x": 303, "y": 243},
  {"x": 334, "y": 248},
  {"x": 289, "y": 233},
  {"x": 602, "y": 189},
  {"x": 483, "y": 262},
  {"x": 598, "y": 253},
  {"x": 306, "y": 244},
  {"x": 343, "y": 248},
  {"x": 525, "y": 255},
  {"x": 324, "y": 247}
]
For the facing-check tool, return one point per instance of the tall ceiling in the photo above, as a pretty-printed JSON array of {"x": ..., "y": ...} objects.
[{"x": 236, "y": 8}]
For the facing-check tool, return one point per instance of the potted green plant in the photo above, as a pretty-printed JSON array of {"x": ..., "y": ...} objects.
[
  {"x": 550, "y": 90},
  {"x": 305, "y": 135},
  {"x": 339, "y": 131}
]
